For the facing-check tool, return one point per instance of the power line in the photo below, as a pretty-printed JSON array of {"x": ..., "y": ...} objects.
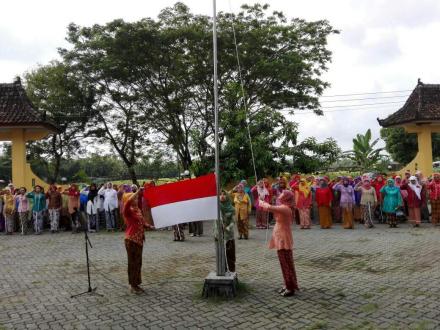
[
  {"x": 344, "y": 106},
  {"x": 348, "y": 107},
  {"x": 360, "y": 105},
  {"x": 338, "y": 110},
  {"x": 366, "y": 98},
  {"x": 367, "y": 93},
  {"x": 374, "y": 108}
]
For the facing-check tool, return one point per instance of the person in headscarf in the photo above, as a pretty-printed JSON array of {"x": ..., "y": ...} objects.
[
  {"x": 314, "y": 184},
  {"x": 377, "y": 184},
  {"x": 346, "y": 202},
  {"x": 261, "y": 193},
  {"x": 282, "y": 241},
  {"x": 64, "y": 211},
  {"x": 243, "y": 206},
  {"x": 38, "y": 199},
  {"x": 368, "y": 201},
  {"x": 392, "y": 200},
  {"x": 404, "y": 191},
  {"x": 12, "y": 188},
  {"x": 22, "y": 205},
  {"x": 324, "y": 197},
  {"x": 278, "y": 189},
  {"x": 55, "y": 202},
  {"x": 227, "y": 212},
  {"x": 134, "y": 240},
  {"x": 398, "y": 183},
  {"x": 73, "y": 205},
  {"x": 294, "y": 182},
  {"x": 303, "y": 197},
  {"x": 8, "y": 210},
  {"x": 416, "y": 200},
  {"x": 336, "y": 203},
  {"x": 293, "y": 186},
  {"x": 357, "y": 211},
  {"x": 423, "y": 181},
  {"x": 407, "y": 176},
  {"x": 247, "y": 189},
  {"x": 434, "y": 196},
  {"x": 420, "y": 178},
  {"x": 92, "y": 208}
]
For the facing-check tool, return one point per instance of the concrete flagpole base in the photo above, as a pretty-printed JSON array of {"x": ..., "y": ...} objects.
[{"x": 220, "y": 286}]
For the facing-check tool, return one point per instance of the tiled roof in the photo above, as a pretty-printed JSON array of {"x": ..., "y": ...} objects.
[
  {"x": 422, "y": 106},
  {"x": 17, "y": 110}
]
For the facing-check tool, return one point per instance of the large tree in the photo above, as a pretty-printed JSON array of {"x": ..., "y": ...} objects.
[
  {"x": 57, "y": 91},
  {"x": 99, "y": 57},
  {"x": 156, "y": 76},
  {"x": 311, "y": 156}
]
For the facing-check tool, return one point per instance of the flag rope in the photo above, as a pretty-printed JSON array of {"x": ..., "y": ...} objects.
[{"x": 240, "y": 77}]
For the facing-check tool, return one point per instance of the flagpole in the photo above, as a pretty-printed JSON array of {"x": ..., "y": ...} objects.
[
  {"x": 219, "y": 283},
  {"x": 220, "y": 250}
]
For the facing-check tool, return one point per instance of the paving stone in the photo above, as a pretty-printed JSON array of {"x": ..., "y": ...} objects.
[{"x": 379, "y": 278}]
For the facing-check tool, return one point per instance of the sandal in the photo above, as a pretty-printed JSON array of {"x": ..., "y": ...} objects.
[
  {"x": 287, "y": 293},
  {"x": 280, "y": 291}
]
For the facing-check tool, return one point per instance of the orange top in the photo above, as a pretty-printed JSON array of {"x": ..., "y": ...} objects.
[
  {"x": 282, "y": 234},
  {"x": 135, "y": 225}
]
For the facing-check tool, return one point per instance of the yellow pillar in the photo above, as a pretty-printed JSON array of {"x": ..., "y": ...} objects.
[
  {"x": 22, "y": 174},
  {"x": 18, "y": 157},
  {"x": 424, "y": 159}
]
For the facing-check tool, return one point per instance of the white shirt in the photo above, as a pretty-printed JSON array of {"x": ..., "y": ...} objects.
[{"x": 110, "y": 198}]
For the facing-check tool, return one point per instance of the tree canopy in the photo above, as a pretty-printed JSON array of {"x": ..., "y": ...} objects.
[
  {"x": 147, "y": 85},
  {"x": 56, "y": 90}
]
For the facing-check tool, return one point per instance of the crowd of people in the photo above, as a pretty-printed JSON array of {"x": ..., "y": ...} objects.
[
  {"x": 91, "y": 207},
  {"x": 367, "y": 199}
]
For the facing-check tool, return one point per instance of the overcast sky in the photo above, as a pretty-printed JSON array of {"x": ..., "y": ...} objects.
[{"x": 384, "y": 45}]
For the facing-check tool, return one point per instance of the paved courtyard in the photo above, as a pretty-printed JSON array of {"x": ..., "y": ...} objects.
[{"x": 349, "y": 279}]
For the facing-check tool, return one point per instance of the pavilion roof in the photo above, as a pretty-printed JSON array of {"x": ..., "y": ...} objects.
[
  {"x": 421, "y": 107},
  {"x": 16, "y": 110}
]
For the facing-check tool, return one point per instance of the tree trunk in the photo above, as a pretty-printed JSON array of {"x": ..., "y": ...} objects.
[
  {"x": 56, "y": 170},
  {"x": 132, "y": 174},
  {"x": 186, "y": 160}
]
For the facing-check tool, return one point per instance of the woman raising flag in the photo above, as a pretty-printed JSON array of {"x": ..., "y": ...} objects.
[
  {"x": 282, "y": 240},
  {"x": 134, "y": 240}
]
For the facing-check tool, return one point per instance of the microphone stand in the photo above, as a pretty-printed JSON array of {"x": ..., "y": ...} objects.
[{"x": 90, "y": 290}]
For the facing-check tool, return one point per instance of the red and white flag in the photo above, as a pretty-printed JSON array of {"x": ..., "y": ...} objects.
[{"x": 183, "y": 201}]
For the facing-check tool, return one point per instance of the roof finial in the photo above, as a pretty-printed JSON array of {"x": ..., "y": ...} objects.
[
  {"x": 17, "y": 80},
  {"x": 419, "y": 82}
]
